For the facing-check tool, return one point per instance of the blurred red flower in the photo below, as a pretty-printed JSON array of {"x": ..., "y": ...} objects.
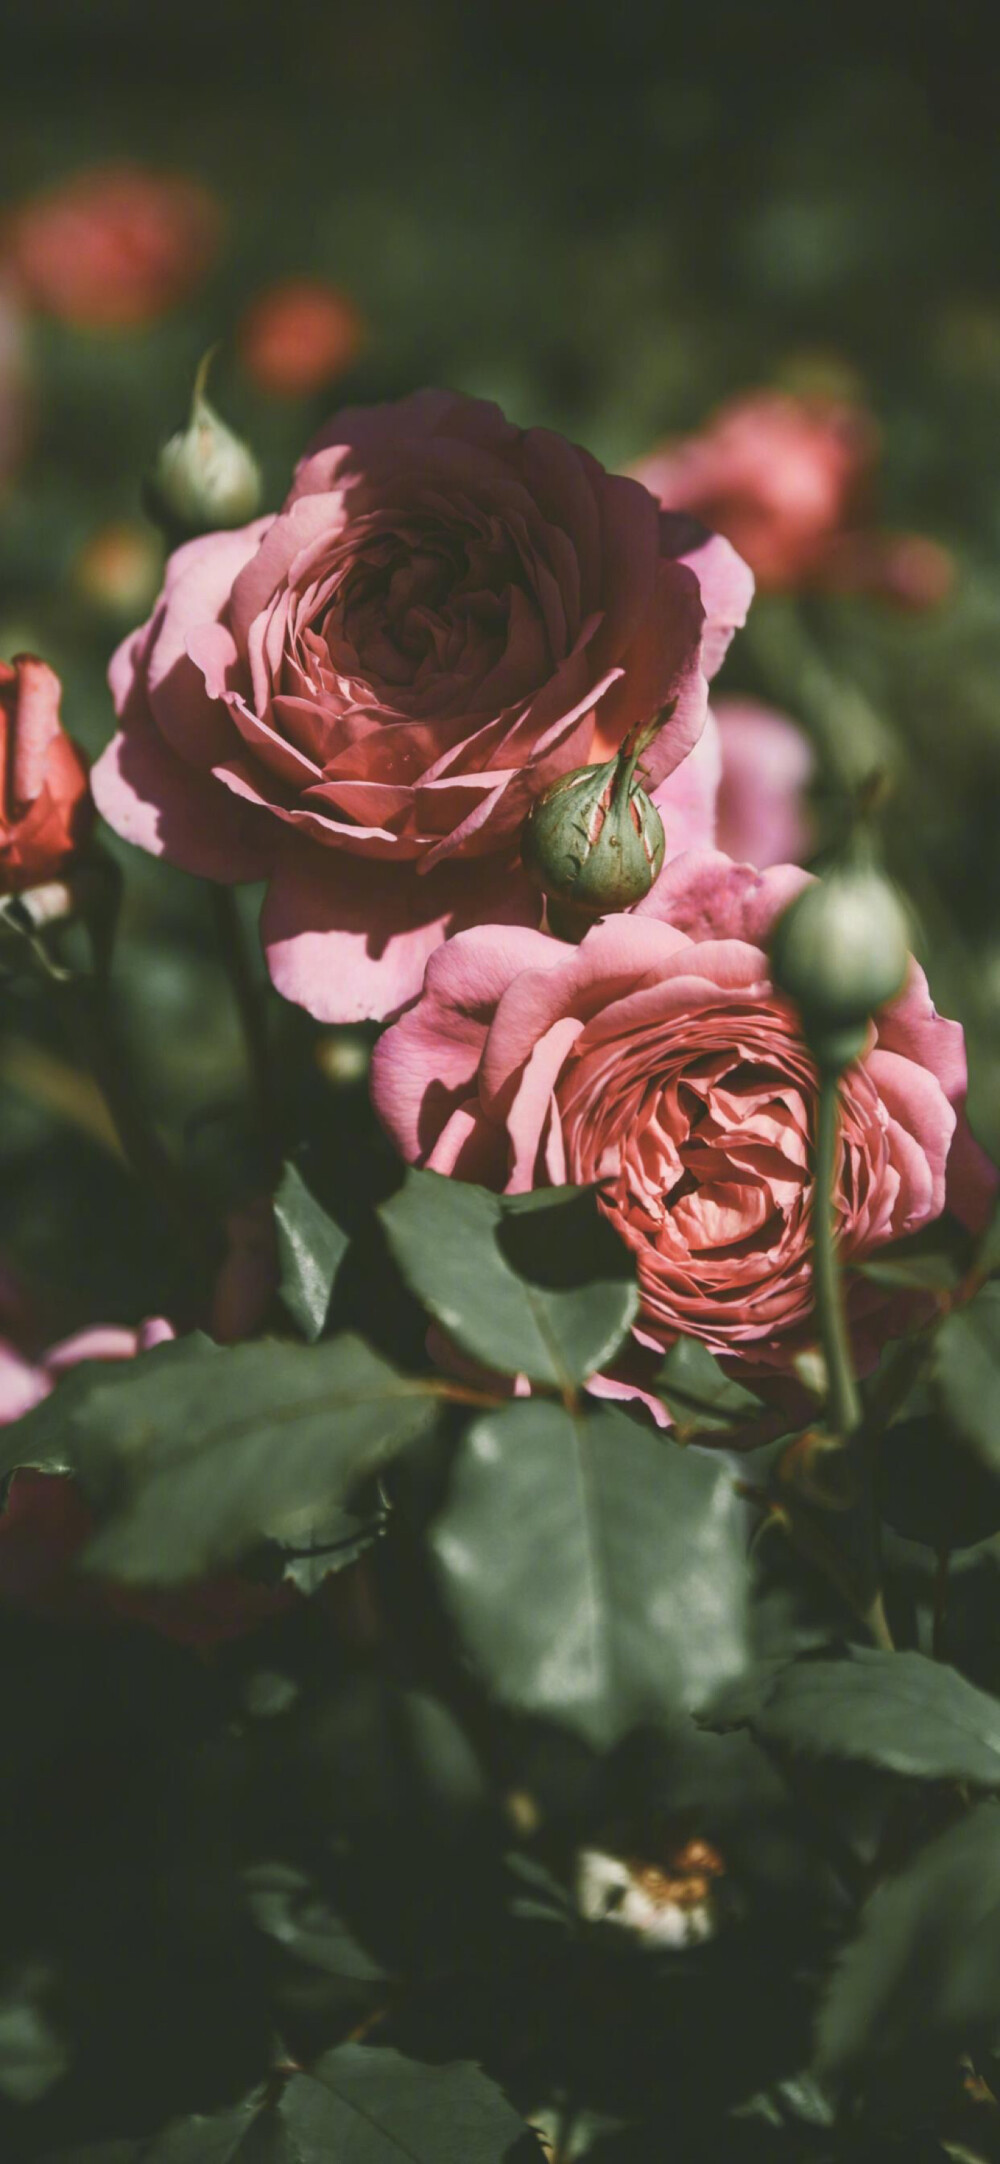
[
  {"x": 115, "y": 247},
  {"x": 298, "y": 335}
]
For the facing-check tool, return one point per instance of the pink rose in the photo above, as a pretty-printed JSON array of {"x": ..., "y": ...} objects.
[
  {"x": 358, "y": 699},
  {"x": 115, "y": 247},
  {"x": 45, "y": 807},
  {"x": 656, "y": 1060},
  {"x": 762, "y": 811}
]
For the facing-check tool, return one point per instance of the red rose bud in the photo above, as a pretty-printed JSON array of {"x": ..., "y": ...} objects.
[
  {"x": 594, "y": 842},
  {"x": 45, "y": 807},
  {"x": 840, "y": 951},
  {"x": 205, "y": 477},
  {"x": 297, "y": 336}
]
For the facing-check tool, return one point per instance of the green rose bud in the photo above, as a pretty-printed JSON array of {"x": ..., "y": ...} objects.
[
  {"x": 594, "y": 842},
  {"x": 204, "y": 476},
  {"x": 841, "y": 951}
]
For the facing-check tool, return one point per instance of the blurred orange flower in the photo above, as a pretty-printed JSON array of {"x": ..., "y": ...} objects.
[{"x": 298, "y": 335}]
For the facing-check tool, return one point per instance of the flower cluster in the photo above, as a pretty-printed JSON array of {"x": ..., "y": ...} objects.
[{"x": 360, "y": 699}]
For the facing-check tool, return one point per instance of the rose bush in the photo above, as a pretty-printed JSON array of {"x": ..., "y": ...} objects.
[
  {"x": 358, "y": 699},
  {"x": 45, "y": 807},
  {"x": 656, "y": 1060}
]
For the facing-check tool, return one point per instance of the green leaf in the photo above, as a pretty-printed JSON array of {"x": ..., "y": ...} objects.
[
  {"x": 288, "y": 1907},
  {"x": 966, "y": 1372},
  {"x": 327, "y": 1542},
  {"x": 373, "y": 2106},
  {"x": 926, "y": 1962},
  {"x": 899, "y": 1711},
  {"x": 539, "y": 1285},
  {"x": 311, "y": 1248},
  {"x": 195, "y": 1452},
  {"x": 596, "y": 1574},
  {"x": 698, "y": 1396}
]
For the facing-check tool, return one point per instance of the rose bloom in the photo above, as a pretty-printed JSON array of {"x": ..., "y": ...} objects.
[
  {"x": 45, "y": 808},
  {"x": 656, "y": 1060},
  {"x": 358, "y": 699},
  {"x": 113, "y": 248},
  {"x": 298, "y": 335},
  {"x": 789, "y": 479}
]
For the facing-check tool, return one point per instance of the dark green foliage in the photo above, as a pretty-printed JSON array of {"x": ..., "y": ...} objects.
[{"x": 897, "y": 1711}]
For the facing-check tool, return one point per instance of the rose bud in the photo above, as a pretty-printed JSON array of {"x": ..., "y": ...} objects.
[
  {"x": 205, "y": 477},
  {"x": 840, "y": 951},
  {"x": 594, "y": 842},
  {"x": 45, "y": 807},
  {"x": 298, "y": 336}
]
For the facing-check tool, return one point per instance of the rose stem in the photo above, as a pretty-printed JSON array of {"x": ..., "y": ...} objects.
[
  {"x": 843, "y": 1400},
  {"x": 253, "y": 1022}
]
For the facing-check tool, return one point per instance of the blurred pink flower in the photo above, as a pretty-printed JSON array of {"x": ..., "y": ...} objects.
[
  {"x": 762, "y": 811},
  {"x": 789, "y": 480},
  {"x": 112, "y": 248}
]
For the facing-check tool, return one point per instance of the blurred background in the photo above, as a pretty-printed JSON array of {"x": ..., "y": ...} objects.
[{"x": 611, "y": 220}]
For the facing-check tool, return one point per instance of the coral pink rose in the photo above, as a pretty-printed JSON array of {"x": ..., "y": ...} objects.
[
  {"x": 358, "y": 699},
  {"x": 298, "y": 335},
  {"x": 115, "y": 247},
  {"x": 762, "y": 811},
  {"x": 45, "y": 808},
  {"x": 656, "y": 1060},
  {"x": 45, "y": 1521}
]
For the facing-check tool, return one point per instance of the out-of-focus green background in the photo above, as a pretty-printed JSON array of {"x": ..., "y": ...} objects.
[{"x": 607, "y": 218}]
